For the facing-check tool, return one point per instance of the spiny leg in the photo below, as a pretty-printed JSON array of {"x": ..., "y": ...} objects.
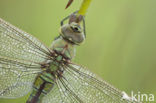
[
  {"x": 84, "y": 26},
  {"x": 62, "y": 22}
]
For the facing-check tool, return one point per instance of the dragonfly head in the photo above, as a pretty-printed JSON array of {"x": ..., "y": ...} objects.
[{"x": 73, "y": 32}]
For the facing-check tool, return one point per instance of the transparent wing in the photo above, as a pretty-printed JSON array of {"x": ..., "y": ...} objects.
[
  {"x": 16, "y": 77},
  {"x": 54, "y": 96},
  {"x": 20, "y": 58},
  {"x": 78, "y": 85},
  {"x": 14, "y": 43}
]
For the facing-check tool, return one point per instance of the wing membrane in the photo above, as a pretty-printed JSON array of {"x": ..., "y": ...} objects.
[
  {"x": 15, "y": 43},
  {"x": 78, "y": 85},
  {"x": 20, "y": 58},
  {"x": 16, "y": 77}
]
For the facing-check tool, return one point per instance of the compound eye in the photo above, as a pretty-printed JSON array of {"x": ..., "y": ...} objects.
[{"x": 76, "y": 28}]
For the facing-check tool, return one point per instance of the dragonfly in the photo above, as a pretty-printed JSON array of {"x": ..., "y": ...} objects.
[{"x": 48, "y": 73}]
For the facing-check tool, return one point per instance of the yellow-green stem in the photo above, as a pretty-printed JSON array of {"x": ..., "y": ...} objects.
[{"x": 84, "y": 6}]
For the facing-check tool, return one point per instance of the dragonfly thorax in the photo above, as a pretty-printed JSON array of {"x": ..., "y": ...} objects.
[
  {"x": 64, "y": 48},
  {"x": 73, "y": 33}
]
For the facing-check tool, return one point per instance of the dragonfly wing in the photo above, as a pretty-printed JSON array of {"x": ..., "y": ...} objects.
[
  {"x": 16, "y": 77},
  {"x": 14, "y": 43},
  {"x": 78, "y": 85},
  {"x": 54, "y": 96},
  {"x": 60, "y": 94},
  {"x": 20, "y": 58}
]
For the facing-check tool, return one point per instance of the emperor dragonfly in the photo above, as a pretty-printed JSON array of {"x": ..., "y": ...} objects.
[{"x": 27, "y": 65}]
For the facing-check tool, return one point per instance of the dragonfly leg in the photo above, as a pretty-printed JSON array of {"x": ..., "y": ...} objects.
[
  {"x": 62, "y": 22},
  {"x": 84, "y": 26}
]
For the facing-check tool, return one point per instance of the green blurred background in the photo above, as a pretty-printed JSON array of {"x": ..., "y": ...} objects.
[{"x": 121, "y": 37}]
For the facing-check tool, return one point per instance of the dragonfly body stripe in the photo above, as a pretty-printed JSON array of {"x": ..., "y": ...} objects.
[
  {"x": 40, "y": 88},
  {"x": 37, "y": 94}
]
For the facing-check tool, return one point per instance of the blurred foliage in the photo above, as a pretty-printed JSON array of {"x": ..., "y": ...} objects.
[{"x": 121, "y": 37}]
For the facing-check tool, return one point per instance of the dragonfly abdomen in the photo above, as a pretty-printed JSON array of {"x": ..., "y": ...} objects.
[{"x": 41, "y": 87}]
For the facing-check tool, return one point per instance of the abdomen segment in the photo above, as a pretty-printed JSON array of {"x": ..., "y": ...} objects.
[{"x": 40, "y": 88}]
